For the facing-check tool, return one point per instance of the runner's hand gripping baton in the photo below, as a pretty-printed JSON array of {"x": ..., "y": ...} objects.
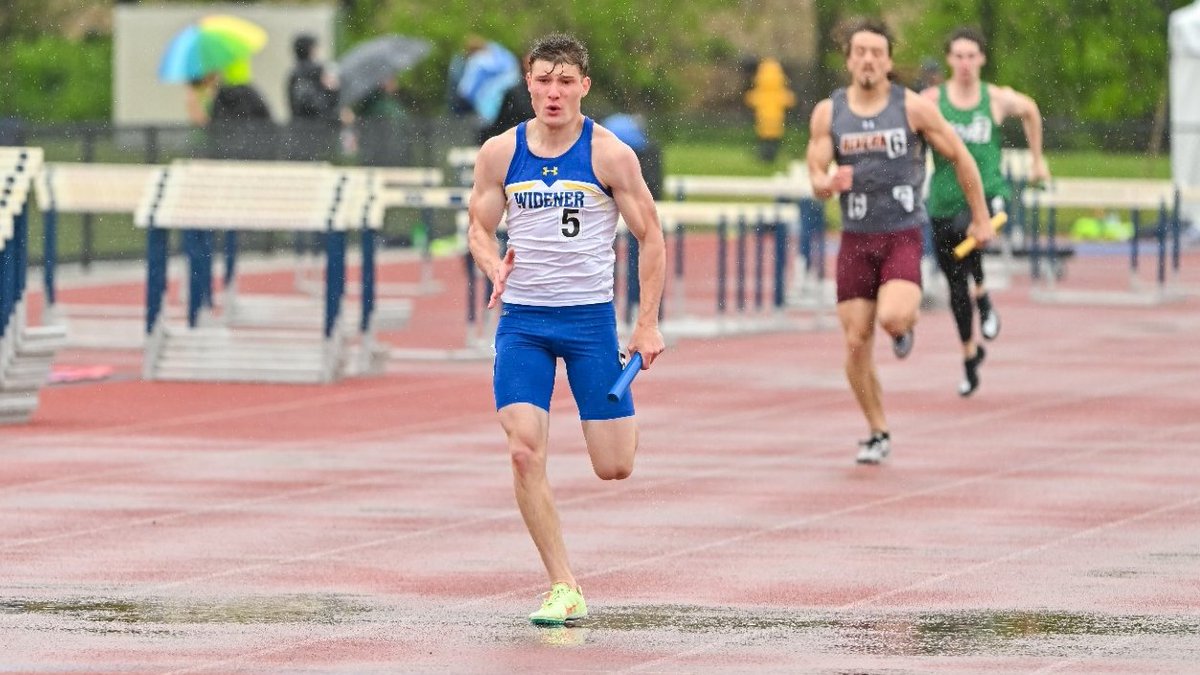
[
  {"x": 630, "y": 371},
  {"x": 967, "y": 245}
]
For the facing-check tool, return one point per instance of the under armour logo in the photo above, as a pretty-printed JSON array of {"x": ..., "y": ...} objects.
[
  {"x": 549, "y": 170},
  {"x": 868, "y": 124}
]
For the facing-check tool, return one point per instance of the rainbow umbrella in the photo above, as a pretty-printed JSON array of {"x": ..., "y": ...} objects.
[{"x": 209, "y": 45}]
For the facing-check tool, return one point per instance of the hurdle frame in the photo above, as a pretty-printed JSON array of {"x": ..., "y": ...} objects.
[
  {"x": 1136, "y": 197},
  {"x": 26, "y": 352},
  {"x": 219, "y": 352}
]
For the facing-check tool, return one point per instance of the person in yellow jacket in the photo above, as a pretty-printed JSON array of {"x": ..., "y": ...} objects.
[{"x": 769, "y": 98}]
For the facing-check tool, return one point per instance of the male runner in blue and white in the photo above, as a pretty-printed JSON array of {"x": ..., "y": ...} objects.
[{"x": 560, "y": 181}]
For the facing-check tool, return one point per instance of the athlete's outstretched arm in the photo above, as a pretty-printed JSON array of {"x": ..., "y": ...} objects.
[
  {"x": 925, "y": 118},
  {"x": 485, "y": 211},
  {"x": 617, "y": 167},
  {"x": 1013, "y": 103}
]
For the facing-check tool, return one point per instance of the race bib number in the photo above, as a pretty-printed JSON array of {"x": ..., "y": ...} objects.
[
  {"x": 856, "y": 205},
  {"x": 904, "y": 195}
]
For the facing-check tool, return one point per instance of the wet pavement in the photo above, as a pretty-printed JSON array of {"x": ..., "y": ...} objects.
[{"x": 1049, "y": 524}]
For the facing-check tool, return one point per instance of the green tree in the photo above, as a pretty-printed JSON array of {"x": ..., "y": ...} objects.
[
  {"x": 635, "y": 46},
  {"x": 59, "y": 79},
  {"x": 831, "y": 16},
  {"x": 1098, "y": 60}
]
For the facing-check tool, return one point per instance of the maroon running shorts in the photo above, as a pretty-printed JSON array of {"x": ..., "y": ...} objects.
[{"x": 867, "y": 260}]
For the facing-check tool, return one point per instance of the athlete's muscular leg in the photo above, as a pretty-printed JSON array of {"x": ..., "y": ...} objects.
[
  {"x": 948, "y": 233},
  {"x": 528, "y": 430},
  {"x": 897, "y": 306},
  {"x": 611, "y": 445},
  {"x": 858, "y": 327},
  {"x": 962, "y": 305}
]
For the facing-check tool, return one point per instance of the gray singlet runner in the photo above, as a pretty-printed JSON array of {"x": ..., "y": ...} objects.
[{"x": 889, "y": 166}]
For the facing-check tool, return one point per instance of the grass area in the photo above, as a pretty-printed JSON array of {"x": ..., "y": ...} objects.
[
  {"x": 731, "y": 159},
  {"x": 687, "y": 157},
  {"x": 1101, "y": 165}
]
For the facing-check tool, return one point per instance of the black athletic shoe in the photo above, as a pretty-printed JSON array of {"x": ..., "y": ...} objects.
[
  {"x": 902, "y": 346},
  {"x": 874, "y": 449},
  {"x": 971, "y": 375},
  {"x": 989, "y": 319}
]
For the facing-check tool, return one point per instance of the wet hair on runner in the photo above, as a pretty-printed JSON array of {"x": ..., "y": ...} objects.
[
  {"x": 559, "y": 49},
  {"x": 967, "y": 33},
  {"x": 865, "y": 25}
]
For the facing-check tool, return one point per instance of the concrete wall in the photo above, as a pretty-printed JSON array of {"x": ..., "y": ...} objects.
[{"x": 141, "y": 34}]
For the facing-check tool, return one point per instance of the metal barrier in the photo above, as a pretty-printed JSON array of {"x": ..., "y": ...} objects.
[
  {"x": 77, "y": 188},
  {"x": 1135, "y": 196},
  {"x": 200, "y": 198},
  {"x": 811, "y": 288},
  {"x": 26, "y": 352}
]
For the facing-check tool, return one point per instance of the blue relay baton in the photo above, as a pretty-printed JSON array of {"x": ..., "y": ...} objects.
[{"x": 630, "y": 371}]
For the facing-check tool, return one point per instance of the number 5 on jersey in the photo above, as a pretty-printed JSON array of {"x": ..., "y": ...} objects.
[{"x": 570, "y": 221}]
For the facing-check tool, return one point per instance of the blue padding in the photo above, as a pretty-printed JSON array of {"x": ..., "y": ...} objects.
[
  {"x": 208, "y": 247},
  {"x": 760, "y": 257},
  {"x": 633, "y": 281},
  {"x": 368, "y": 278},
  {"x": 49, "y": 254},
  {"x": 335, "y": 278},
  {"x": 812, "y": 231},
  {"x": 156, "y": 274},
  {"x": 469, "y": 261},
  {"x": 231, "y": 246},
  {"x": 781, "y": 249},
  {"x": 8, "y": 286},
  {"x": 197, "y": 244},
  {"x": 722, "y": 267},
  {"x": 21, "y": 239},
  {"x": 740, "y": 264}
]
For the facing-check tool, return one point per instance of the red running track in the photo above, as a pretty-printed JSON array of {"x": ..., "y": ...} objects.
[{"x": 1047, "y": 524}]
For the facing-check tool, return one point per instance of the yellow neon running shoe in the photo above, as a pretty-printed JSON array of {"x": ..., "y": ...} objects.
[{"x": 560, "y": 605}]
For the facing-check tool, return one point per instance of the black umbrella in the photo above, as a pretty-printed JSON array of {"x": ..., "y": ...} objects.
[{"x": 364, "y": 67}]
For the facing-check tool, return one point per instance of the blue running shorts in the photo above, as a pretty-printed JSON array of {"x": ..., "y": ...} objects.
[{"x": 529, "y": 342}]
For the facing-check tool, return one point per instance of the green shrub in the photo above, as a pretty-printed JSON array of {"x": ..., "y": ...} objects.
[{"x": 52, "y": 79}]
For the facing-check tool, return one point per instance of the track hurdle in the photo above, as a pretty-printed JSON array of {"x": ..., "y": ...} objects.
[
  {"x": 199, "y": 199},
  {"x": 1136, "y": 197},
  {"x": 358, "y": 209},
  {"x": 461, "y": 161},
  {"x": 745, "y": 290},
  {"x": 479, "y": 322},
  {"x": 370, "y": 190},
  {"x": 26, "y": 352},
  {"x": 811, "y": 289},
  {"x": 69, "y": 187},
  {"x": 749, "y": 298}
]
